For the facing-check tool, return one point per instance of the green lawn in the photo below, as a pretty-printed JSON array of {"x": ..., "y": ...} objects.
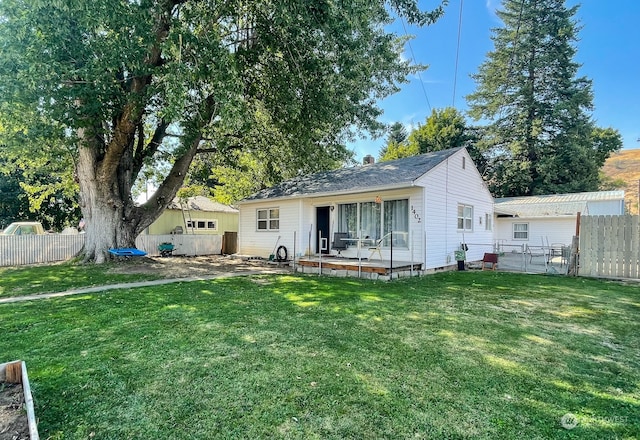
[
  {"x": 454, "y": 355},
  {"x": 20, "y": 281}
]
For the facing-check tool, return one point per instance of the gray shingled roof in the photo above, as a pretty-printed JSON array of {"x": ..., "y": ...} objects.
[
  {"x": 553, "y": 204},
  {"x": 365, "y": 177},
  {"x": 201, "y": 203}
]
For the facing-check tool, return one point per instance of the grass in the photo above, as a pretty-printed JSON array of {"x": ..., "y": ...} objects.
[
  {"x": 20, "y": 281},
  {"x": 455, "y": 355}
]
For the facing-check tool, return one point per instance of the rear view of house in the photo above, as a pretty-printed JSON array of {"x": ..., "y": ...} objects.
[{"x": 421, "y": 208}]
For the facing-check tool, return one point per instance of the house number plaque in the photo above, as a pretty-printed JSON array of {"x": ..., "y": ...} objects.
[{"x": 415, "y": 214}]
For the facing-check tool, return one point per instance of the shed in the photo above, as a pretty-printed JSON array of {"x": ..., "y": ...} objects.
[{"x": 196, "y": 215}]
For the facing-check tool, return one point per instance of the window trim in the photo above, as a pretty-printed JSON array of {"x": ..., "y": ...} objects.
[
  {"x": 193, "y": 224},
  {"x": 268, "y": 219},
  {"x": 464, "y": 218},
  {"x": 513, "y": 231},
  {"x": 488, "y": 222},
  {"x": 381, "y": 220}
]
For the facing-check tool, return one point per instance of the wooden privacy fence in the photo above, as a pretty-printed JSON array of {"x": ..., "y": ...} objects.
[
  {"x": 610, "y": 246},
  {"x": 19, "y": 250}
]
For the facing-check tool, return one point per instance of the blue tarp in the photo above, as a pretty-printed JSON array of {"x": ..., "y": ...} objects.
[{"x": 128, "y": 252}]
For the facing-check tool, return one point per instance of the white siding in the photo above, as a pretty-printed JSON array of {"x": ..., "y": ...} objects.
[
  {"x": 446, "y": 186},
  {"x": 262, "y": 243},
  {"x": 433, "y": 208},
  {"x": 413, "y": 194},
  {"x": 299, "y": 215},
  {"x": 605, "y": 207},
  {"x": 549, "y": 230}
]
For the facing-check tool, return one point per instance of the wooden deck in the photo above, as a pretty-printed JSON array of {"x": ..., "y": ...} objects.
[{"x": 383, "y": 268}]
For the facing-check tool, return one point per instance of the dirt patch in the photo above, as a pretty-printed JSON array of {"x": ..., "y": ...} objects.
[
  {"x": 14, "y": 424},
  {"x": 184, "y": 267}
]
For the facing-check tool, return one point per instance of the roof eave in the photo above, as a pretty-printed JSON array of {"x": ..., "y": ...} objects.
[{"x": 332, "y": 193}]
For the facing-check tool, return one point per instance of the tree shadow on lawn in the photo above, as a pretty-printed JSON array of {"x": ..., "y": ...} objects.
[{"x": 481, "y": 356}]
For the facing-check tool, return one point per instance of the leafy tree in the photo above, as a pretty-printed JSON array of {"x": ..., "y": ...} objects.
[
  {"x": 123, "y": 84},
  {"x": 540, "y": 130},
  {"x": 268, "y": 157},
  {"x": 52, "y": 204},
  {"x": 14, "y": 204},
  {"x": 395, "y": 150},
  {"x": 442, "y": 130},
  {"x": 36, "y": 183}
]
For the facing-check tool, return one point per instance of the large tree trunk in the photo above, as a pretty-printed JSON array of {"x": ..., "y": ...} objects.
[
  {"x": 103, "y": 209},
  {"x": 112, "y": 220}
]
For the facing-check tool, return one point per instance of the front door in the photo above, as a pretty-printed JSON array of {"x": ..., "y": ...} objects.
[{"x": 323, "y": 222}]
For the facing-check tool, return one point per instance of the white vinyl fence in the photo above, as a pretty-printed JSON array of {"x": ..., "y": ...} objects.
[
  {"x": 184, "y": 244},
  {"x": 19, "y": 250},
  {"x": 610, "y": 246}
]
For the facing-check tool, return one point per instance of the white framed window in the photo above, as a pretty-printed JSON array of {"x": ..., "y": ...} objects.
[
  {"x": 521, "y": 231},
  {"x": 488, "y": 222},
  {"x": 465, "y": 217},
  {"x": 203, "y": 224},
  {"x": 268, "y": 219},
  {"x": 370, "y": 213},
  {"x": 376, "y": 220},
  {"x": 396, "y": 220}
]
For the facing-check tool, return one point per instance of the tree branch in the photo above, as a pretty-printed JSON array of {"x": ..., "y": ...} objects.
[
  {"x": 125, "y": 124},
  {"x": 152, "y": 146},
  {"x": 169, "y": 187}
]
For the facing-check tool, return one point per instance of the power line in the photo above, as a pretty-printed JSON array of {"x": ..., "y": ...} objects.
[
  {"x": 414, "y": 61},
  {"x": 455, "y": 74}
]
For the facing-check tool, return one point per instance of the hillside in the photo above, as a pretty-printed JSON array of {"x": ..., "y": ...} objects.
[{"x": 625, "y": 166}]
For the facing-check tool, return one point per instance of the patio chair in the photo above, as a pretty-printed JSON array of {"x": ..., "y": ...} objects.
[
  {"x": 338, "y": 243},
  {"x": 376, "y": 246},
  {"x": 491, "y": 259}
]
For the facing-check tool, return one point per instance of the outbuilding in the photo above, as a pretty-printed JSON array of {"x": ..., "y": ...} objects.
[{"x": 549, "y": 220}]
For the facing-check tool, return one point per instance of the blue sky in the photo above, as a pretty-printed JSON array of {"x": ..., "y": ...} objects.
[{"x": 608, "y": 49}]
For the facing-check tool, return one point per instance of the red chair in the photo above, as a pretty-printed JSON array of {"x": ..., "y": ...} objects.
[{"x": 491, "y": 259}]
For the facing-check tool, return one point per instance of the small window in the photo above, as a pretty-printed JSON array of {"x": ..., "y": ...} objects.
[
  {"x": 465, "y": 218},
  {"x": 268, "y": 219},
  {"x": 488, "y": 222},
  {"x": 203, "y": 225},
  {"x": 521, "y": 231},
  {"x": 464, "y": 162}
]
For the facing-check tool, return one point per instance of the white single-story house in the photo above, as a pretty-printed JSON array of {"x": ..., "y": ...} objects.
[
  {"x": 195, "y": 215},
  {"x": 549, "y": 219},
  {"x": 431, "y": 203}
]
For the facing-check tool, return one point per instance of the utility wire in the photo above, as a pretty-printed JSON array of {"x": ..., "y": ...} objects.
[
  {"x": 414, "y": 61},
  {"x": 455, "y": 74}
]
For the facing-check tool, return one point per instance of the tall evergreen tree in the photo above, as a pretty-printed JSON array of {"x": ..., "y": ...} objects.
[
  {"x": 395, "y": 148},
  {"x": 540, "y": 135},
  {"x": 397, "y": 133}
]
